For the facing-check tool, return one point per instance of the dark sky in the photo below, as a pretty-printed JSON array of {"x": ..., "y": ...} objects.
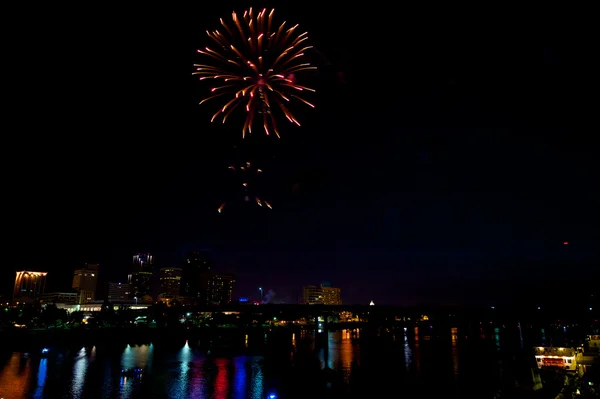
[{"x": 448, "y": 147}]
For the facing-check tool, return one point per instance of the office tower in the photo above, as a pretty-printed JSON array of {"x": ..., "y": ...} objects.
[
  {"x": 196, "y": 275},
  {"x": 28, "y": 285},
  {"x": 220, "y": 289},
  {"x": 118, "y": 291},
  {"x": 85, "y": 282},
  {"x": 170, "y": 281},
  {"x": 141, "y": 276}
]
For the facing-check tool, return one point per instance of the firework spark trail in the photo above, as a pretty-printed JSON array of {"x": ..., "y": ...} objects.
[
  {"x": 255, "y": 64},
  {"x": 248, "y": 173}
]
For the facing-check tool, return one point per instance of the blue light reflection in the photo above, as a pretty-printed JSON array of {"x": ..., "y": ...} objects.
[
  {"x": 41, "y": 379},
  {"x": 239, "y": 378}
]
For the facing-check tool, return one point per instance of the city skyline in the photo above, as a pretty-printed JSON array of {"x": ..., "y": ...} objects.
[{"x": 430, "y": 165}]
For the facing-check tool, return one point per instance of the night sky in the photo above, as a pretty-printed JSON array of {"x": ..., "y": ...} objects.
[{"x": 449, "y": 151}]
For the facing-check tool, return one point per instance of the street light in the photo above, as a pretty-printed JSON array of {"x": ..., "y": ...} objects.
[
  {"x": 260, "y": 289},
  {"x": 135, "y": 297}
]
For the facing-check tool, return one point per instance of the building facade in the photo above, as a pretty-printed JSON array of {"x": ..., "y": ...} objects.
[
  {"x": 118, "y": 292},
  {"x": 196, "y": 274},
  {"x": 59, "y": 297},
  {"x": 323, "y": 295},
  {"x": 28, "y": 286},
  {"x": 170, "y": 281},
  {"x": 85, "y": 282},
  {"x": 141, "y": 276},
  {"x": 220, "y": 289},
  {"x": 331, "y": 295},
  {"x": 311, "y": 295}
]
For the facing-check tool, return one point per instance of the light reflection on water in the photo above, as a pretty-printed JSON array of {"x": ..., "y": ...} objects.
[
  {"x": 190, "y": 373},
  {"x": 41, "y": 379},
  {"x": 454, "y": 338},
  {"x": 14, "y": 378},
  {"x": 407, "y": 352},
  {"x": 256, "y": 382}
]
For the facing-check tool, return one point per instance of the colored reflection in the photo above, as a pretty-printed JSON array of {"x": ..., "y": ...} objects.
[
  {"x": 454, "y": 337},
  {"x": 543, "y": 336},
  {"x": 256, "y": 382},
  {"x": 222, "y": 379},
  {"x": 346, "y": 354},
  {"x": 41, "y": 379},
  {"x": 180, "y": 384},
  {"x": 329, "y": 356},
  {"x": 14, "y": 378},
  {"x": 135, "y": 363},
  {"x": 240, "y": 378},
  {"x": 417, "y": 358},
  {"x": 79, "y": 371},
  {"x": 137, "y": 357},
  {"x": 497, "y": 338}
]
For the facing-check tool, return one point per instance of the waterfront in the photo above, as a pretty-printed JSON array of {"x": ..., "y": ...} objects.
[{"x": 340, "y": 364}]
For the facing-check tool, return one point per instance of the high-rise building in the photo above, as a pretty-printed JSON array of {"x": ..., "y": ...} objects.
[
  {"x": 196, "y": 275},
  {"x": 85, "y": 282},
  {"x": 323, "y": 295},
  {"x": 141, "y": 276},
  {"x": 311, "y": 295},
  {"x": 220, "y": 289},
  {"x": 118, "y": 291},
  {"x": 29, "y": 285},
  {"x": 170, "y": 281}
]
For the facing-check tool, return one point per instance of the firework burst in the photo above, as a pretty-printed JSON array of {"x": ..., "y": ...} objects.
[{"x": 255, "y": 63}]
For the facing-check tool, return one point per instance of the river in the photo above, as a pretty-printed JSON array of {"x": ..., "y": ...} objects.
[{"x": 339, "y": 364}]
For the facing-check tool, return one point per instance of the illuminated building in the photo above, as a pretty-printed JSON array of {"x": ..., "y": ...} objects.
[
  {"x": 323, "y": 295},
  {"x": 220, "y": 289},
  {"x": 141, "y": 276},
  {"x": 563, "y": 358},
  {"x": 330, "y": 295},
  {"x": 170, "y": 281},
  {"x": 118, "y": 291},
  {"x": 85, "y": 281},
  {"x": 29, "y": 285}
]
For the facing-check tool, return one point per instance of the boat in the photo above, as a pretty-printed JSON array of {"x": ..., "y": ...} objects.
[{"x": 556, "y": 357}]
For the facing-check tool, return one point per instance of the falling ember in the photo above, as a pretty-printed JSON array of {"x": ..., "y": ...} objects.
[{"x": 258, "y": 61}]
